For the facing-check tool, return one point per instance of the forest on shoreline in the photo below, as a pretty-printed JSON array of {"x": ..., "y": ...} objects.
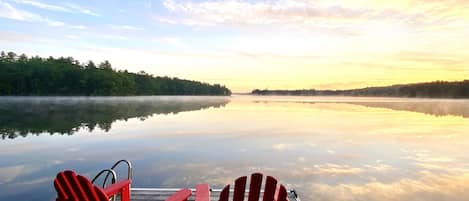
[
  {"x": 21, "y": 75},
  {"x": 436, "y": 89}
]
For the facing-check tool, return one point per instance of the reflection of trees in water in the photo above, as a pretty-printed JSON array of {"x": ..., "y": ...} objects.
[
  {"x": 63, "y": 115},
  {"x": 436, "y": 108}
]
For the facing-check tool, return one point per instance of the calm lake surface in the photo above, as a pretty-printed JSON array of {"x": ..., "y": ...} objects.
[{"x": 327, "y": 148}]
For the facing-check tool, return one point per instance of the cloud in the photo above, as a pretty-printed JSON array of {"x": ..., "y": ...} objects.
[
  {"x": 148, "y": 4},
  {"x": 287, "y": 12},
  {"x": 81, "y": 9},
  {"x": 10, "y": 12},
  {"x": 431, "y": 58},
  {"x": 351, "y": 18},
  {"x": 41, "y": 5},
  {"x": 72, "y": 36},
  {"x": 67, "y": 7},
  {"x": 171, "y": 40},
  {"x": 77, "y": 27},
  {"x": 254, "y": 13},
  {"x": 125, "y": 27}
]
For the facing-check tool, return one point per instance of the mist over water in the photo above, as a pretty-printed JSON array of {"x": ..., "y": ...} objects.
[
  {"x": 67, "y": 115},
  {"x": 327, "y": 148}
]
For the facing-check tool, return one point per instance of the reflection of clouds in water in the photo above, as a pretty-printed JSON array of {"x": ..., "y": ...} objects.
[
  {"x": 36, "y": 181},
  {"x": 220, "y": 174},
  {"x": 380, "y": 167},
  {"x": 12, "y": 149},
  {"x": 429, "y": 161},
  {"x": 330, "y": 169},
  {"x": 191, "y": 173},
  {"x": 445, "y": 165},
  {"x": 427, "y": 187},
  {"x": 72, "y": 149},
  {"x": 16, "y": 174},
  {"x": 435, "y": 159},
  {"x": 188, "y": 174},
  {"x": 9, "y": 173},
  {"x": 325, "y": 170},
  {"x": 282, "y": 146},
  {"x": 208, "y": 174}
]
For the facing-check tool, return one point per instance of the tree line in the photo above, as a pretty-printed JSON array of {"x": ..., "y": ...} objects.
[
  {"x": 436, "y": 89},
  {"x": 27, "y": 76},
  {"x": 68, "y": 115}
]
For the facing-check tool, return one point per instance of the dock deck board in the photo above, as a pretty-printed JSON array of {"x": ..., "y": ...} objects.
[{"x": 160, "y": 194}]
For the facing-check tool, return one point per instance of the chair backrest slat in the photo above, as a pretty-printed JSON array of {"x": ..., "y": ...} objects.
[
  {"x": 87, "y": 187},
  {"x": 282, "y": 194},
  {"x": 62, "y": 180},
  {"x": 239, "y": 189},
  {"x": 61, "y": 194},
  {"x": 225, "y": 193},
  {"x": 255, "y": 187},
  {"x": 76, "y": 186},
  {"x": 269, "y": 189},
  {"x": 72, "y": 187}
]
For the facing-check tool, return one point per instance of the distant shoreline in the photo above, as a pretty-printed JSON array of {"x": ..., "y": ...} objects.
[{"x": 437, "y": 89}]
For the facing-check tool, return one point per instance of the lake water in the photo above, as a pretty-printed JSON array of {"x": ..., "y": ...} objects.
[{"x": 327, "y": 148}]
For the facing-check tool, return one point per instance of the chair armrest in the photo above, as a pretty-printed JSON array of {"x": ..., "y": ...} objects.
[
  {"x": 181, "y": 195},
  {"x": 202, "y": 192},
  {"x": 117, "y": 187}
]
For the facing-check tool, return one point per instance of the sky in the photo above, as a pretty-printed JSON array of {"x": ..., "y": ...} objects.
[{"x": 247, "y": 44}]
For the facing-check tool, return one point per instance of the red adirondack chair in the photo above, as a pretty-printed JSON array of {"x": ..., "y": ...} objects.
[
  {"x": 73, "y": 187},
  {"x": 272, "y": 192}
]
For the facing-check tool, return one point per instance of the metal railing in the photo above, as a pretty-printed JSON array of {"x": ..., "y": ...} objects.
[
  {"x": 292, "y": 194},
  {"x": 109, "y": 171},
  {"x": 112, "y": 172},
  {"x": 129, "y": 168}
]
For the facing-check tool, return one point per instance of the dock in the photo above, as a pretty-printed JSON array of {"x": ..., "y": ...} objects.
[{"x": 160, "y": 194}]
